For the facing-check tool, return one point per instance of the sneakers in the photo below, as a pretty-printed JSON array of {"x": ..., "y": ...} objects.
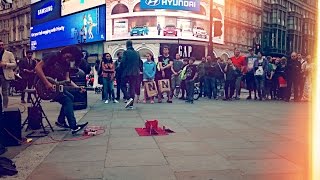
[
  {"x": 129, "y": 103},
  {"x": 79, "y": 127},
  {"x": 106, "y": 102},
  {"x": 62, "y": 125},
  {"x": 115, "y": 101}
]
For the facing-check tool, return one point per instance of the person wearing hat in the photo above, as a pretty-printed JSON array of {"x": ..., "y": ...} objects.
[
  {"x": 27, "y": 72},
  {"x": 251, "y": 86}
]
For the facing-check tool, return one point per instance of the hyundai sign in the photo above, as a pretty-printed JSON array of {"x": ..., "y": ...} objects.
[
  {"x": 44, "y": 11},
  {"x": 187, "y": 5},
  {"x": 89, "y": 25}
]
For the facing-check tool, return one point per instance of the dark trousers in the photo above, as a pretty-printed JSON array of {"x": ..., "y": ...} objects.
[
  {"x": 301, "y": 86},
  {"x": 292, "y": 82},
  {"x": 211, "y": 87},
  {"x": 118, "y": 79},
  {"x": 260, "y": 82},
  {"x": 183, "y": 88},
  {"x": 123, "y": 87},
  {"x": 66, "y": 111},
  {"x": 202, "y": 86},
  {"x": 132, "y": 86},
  {"x": 275, "y": 88},
  {"x": 229, "y": 87},
  {"x": 190, "y": 89},
  {"x": 27, "y": 83}
]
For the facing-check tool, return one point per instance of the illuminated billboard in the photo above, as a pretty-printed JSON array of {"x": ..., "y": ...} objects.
[
  {"x": 167, "y": 22},
  {"x": 88, "y": 25},
  {"x": 187, "y": 5},
  {"x": 44, "y": 11},
  {"x": 72, "y": 6}
]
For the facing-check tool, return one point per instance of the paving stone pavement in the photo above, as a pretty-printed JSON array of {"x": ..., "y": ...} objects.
[{"x": 214, "y": 140}]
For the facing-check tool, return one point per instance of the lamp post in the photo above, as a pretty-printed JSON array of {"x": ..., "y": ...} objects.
[{"x": 210, "y": 47}]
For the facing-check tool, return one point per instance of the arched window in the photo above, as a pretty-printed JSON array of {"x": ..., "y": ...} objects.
[
  {"x": 138, "y": 9},
  {"x": 143, "y": 53},
  {"x": 119, "y": 9},
  {"x": 202, "y": 11},
  {"x": 115, "y": 57},
  {"x": 217, "y": 14}
]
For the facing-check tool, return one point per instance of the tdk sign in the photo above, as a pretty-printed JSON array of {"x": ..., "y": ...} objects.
[
  {"x": 46, "y": 9},
  {"x": 187, "y": 5}
]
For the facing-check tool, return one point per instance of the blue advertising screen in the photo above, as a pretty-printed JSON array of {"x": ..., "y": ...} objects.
[
  {"x": 187, "y": 5},
  {"x": 45, "y": 11},
  {"x": 89, "y": 25}
]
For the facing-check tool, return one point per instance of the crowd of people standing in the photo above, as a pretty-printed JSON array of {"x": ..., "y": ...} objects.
[{"x": 265, "y": 78}]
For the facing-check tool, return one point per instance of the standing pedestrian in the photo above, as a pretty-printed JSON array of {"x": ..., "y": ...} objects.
[
  {"x": 165, "y": 62},
  {"x": 191, "y": 75},
  {"x": 202, "y": 73},
  {"x": 231, "y": 75},
  {"x": 108, "y": 72},
  {"x": 210, "y": 77},
  {"x": 27, "y": 72},
  {"x": 176, "y": 69},
  {"x": 293, "y": 76},
  {"x": 131, "y": 63},
  {"x": 260, "y": 69},
  {"x": 118, "y": 76},
  {"x": 251, "y": 85},
  {"x": 239, "y": 62},
  {"x": 7, "y": 65},
  {"x": 149, "y": 71}
]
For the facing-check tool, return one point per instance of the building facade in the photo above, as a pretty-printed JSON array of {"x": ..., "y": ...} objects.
[
  {"x": 289, "y": 25},
  {"x": 15, "y": 26}
]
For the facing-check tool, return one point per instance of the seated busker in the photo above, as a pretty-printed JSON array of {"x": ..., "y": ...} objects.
[{"x": 57, "y": 66}]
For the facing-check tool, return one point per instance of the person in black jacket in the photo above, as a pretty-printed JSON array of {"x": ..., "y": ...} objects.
[
  {"x": 131, "y": 63},
  {"x": 293, "y": 75},
  {"x": 27, "y": 73}
]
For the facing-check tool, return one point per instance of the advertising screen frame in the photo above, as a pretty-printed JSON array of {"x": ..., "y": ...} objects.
[
  {"x": 67, "y": 31},
  {"x": 71, "y": 6},
  {"x": 44, "y": 11}
]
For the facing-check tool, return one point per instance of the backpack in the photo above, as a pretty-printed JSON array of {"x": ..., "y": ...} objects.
[
  {"x": 7, "y": 167},
  {"x": 183, "y": 74}
]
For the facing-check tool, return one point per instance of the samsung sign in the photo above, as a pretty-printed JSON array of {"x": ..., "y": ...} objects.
[
  {"x": 44, "y": 11},
  {"x": 187, "y": 5}
]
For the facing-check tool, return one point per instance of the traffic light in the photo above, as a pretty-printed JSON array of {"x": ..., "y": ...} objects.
[{"x": 217, "y": 28}]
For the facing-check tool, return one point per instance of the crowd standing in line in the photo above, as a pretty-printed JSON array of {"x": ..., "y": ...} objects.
[{"x": 265, "y": 78}]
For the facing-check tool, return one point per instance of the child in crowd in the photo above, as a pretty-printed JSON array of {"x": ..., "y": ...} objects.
[
  {"x": 281, "y": 74},
  {"x": 149, "y": 72},
  {"x": 191, "y": 75},
  {"x": 231, "y": 74},
  {"x": 183, "y": 80}
]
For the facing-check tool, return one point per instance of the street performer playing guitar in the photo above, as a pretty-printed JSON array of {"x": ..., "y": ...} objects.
[{"x": 57, "y": 66}]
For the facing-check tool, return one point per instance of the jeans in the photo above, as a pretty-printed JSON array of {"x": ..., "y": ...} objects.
[
  {"x": 202, "y": 86},
  {"x": 301, "y": 86},
  {"x": 211, "y": 87},
  {"x": 190, "y": 90},
  {"x": 260, "y": 85},
  {"x": 229, "y": 87},
  {"x": 220, "y": 87},
  {"x": 108, "y": 89},
  {"x": 27, "y": 83},
  {"x": 238, "y": 86},
  {"x": 292, "y": 81},
  {"x": 66, "y": 101},
  {"x": 132, "y": 86},
  {"x": 5, "y": 90},
  {"x": 175, "y": 82}
]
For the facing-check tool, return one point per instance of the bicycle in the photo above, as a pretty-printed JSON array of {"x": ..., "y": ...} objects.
[{"x": 177, "y": 91}]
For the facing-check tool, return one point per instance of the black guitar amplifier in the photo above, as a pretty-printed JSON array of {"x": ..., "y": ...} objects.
[
  {"x": 10, "y": 127},
  {"x": 80, "y": 99}
]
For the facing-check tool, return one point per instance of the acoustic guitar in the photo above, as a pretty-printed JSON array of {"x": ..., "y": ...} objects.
[{"x": 58, "y": 88}]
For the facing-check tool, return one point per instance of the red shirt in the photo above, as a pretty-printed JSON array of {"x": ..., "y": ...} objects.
[{"x": 238, "y": 62}]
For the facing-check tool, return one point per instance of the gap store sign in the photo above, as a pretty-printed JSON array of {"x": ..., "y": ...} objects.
[{"x": 186, "y": 5}]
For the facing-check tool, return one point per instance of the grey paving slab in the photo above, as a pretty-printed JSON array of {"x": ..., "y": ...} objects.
[
  {"x": 68, "y": 170},
  {"x": 228, "y": 142},
  {"x": 186, "y": 149},
  {"x": 266, "y": 166},
  {"x": 177, "y": 137},
  {"x": 143, "y": 142},
  {"x": 123, "y": 132},
  {"x": 230, "y": 174},
  {"x": 139, "y": 173},
  {"x": 192, "y": 163},
  {"x": 212, "y": 132},
  {"x": 92, "y": 141},
  {"x": 127, "y": 124},
  {"x": 247, "y": 154},
  {"x": 76, "y": 154},
  {"x": 137, "y": 157}
]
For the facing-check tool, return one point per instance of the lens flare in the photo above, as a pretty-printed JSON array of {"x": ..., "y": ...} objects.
[{"x": 315, "y": 156}]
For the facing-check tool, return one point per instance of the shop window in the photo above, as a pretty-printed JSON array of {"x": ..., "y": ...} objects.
[
  {"x": 119, "y": 9},
  {"x": 115, "y": 57}
]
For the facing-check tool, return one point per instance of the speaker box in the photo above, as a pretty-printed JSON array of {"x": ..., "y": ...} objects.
[{"x": 10, "y": 125}]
